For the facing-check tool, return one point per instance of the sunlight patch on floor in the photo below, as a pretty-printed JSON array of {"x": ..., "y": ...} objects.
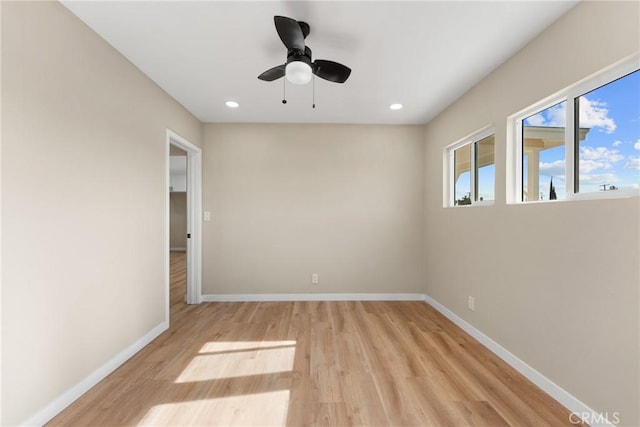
[
  {"x": 224, "y": 346},
  {"x": 241, "y": 361},
  {"x": 265, "y": 409}
]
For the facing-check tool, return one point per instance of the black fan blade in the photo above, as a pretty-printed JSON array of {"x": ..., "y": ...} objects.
[
  {"x": 332, "y": 71},
  {"x": 290, "y": 33},
  {"x": 273, "y": 74}
]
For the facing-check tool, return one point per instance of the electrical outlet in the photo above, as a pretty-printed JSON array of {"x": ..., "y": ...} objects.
[
  {"x": 471, "y": 303},
  {"x": 207, "y": 216},
  {"x": 314, "y": 278}
]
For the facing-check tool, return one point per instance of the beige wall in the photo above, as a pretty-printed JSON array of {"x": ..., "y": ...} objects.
[
  {"x": 178, "y": 220},
  {"x": 178, "y": 211},
  {"x": 83, "y": 224},
  {"x": 343, "y": 201},
  {"x": 556, "y": 284}
]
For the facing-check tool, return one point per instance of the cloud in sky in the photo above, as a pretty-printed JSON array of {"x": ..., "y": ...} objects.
[
  {"x": 637, "y": 145},
  {"x": 555, "y": 168},
  {"x": 591, "y": 159},
  {"x": 604, "y": 178},
  {"x": 633, "y": 163},
  {"x": 554, "y": 116},
  {"x": 536, "y": 120},
  {"x": 588, "y": 166},
  {"x": 593, "y": 114},
  {"x": 616, "y": 143},
  {"x": 601, "y": 154},
  {"x": 594, "y": 158}
]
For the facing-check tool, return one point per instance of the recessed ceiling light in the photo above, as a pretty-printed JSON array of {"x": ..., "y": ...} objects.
[
  {"x": 232, "y": 104},
  {"x": 396, "y": 106}
]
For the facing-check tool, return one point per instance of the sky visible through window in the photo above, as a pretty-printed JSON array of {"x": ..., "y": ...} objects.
[
  {"x": 609, "y": 155},
  {"x": 486, "y": 184}
]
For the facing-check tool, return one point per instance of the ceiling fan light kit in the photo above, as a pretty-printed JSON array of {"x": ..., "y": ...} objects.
[
  {"x": 299, "y": 68},
  {"x": 298, "y": 72}
]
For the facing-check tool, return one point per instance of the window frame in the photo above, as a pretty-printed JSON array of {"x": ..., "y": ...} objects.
[
  {"x": 570, "y": 95},
  {"x": 449, "y": 169}
]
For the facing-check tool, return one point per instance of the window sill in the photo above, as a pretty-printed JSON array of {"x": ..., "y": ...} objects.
[
  {"x": 604, "y": 195},
  {"x": 483, "y": 203},
  {"x": 601, "y": 195}
]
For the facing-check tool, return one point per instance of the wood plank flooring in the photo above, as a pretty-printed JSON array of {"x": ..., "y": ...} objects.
[{"x": 312, "y": 363}]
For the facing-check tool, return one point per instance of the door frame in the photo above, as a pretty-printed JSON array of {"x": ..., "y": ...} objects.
[{"x": 194, "y": 219}]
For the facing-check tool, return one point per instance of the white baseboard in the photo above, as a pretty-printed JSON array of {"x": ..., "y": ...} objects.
[
  {"x": 179, "y": 249},
  {"x": 310, "y": 297},
  {"x": 67, "y": 398},
  {"x": 563, "y": 397}
]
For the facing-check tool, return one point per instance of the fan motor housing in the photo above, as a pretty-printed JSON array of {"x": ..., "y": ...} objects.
[{"x": 292, "y": 57}]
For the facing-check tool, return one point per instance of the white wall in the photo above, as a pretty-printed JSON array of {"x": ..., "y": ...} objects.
[
  {"x": 556, "y": 284},
  {"x": 343, "y": 201},
  {"x": 75, "y": 292}
]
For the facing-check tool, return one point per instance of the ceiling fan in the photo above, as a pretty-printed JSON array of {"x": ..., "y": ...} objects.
[{"x": 299, "y": 68}]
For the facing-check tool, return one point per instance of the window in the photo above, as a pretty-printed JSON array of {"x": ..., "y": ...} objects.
[
  {"x": 607, "y": 136},
  {"x": 582, "y": 143},
  {"x": 471, "y": 170}
]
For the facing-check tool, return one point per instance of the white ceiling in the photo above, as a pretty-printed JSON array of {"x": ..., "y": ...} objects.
[{"x": 423, "y": 54}]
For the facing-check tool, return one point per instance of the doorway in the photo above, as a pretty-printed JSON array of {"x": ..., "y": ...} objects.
[{"x": 189, "y": 188}]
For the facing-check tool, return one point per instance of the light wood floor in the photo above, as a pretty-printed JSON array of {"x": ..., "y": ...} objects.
[{"x": 312, "y": 363}]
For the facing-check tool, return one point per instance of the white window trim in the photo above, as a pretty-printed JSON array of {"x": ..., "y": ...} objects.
[
  {"x": 514, "y": 135},
  {"x": 448, "y": 200}
]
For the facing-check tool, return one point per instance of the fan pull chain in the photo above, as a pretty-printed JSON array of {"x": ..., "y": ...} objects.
[
  {"x": 314, "y": 91},
  {"x": 284, "y": 91}
]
